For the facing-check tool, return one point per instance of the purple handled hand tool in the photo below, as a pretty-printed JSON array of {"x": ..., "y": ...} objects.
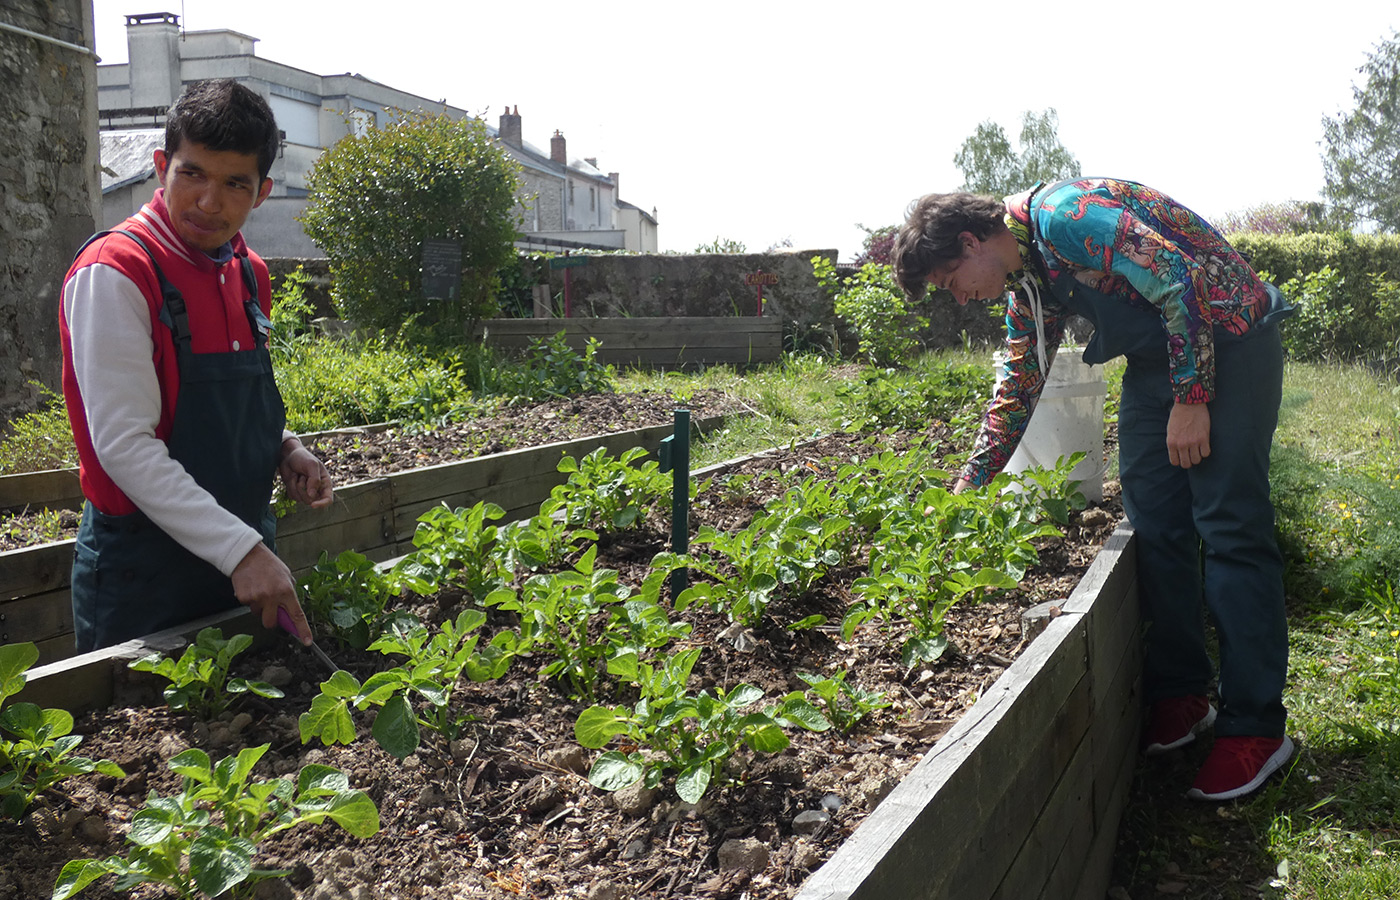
[{"x": 285, "y": 620}]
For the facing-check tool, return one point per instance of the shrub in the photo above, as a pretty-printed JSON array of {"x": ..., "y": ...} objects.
[
  {"x": 874, "y": 307},
  {"x": 1358, "y": 295},
  {"x": 339, "y": 383},
  {"x": 39, "y": 440},
  {"x": 373, "y": 200}
]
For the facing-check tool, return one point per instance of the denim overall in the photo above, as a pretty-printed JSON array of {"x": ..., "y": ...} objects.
[
  {"x": 1205, "y": 533},
  {"x": 130, "y": 578}
]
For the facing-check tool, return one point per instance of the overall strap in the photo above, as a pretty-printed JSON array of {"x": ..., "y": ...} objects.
[
  {"x": 259, "y": 324},
  {"x": 172, "y": 302}
]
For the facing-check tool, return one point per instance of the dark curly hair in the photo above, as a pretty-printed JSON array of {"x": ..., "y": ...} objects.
[
  {"x": 929, "y": 237},
  {"x": 222, "y": 114}
]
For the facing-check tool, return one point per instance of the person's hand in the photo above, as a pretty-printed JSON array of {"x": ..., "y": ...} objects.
[
  {"x": 263, "y": 583},
  {"x": 306, "y": 477},
  {"x": 1188, "y": 434}
]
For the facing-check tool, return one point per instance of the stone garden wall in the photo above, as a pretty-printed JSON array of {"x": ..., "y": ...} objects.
[{"x": 49, "y": 193}]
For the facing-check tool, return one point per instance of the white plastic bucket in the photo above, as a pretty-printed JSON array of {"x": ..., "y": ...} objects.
[{"x": 1068, "y": 419}]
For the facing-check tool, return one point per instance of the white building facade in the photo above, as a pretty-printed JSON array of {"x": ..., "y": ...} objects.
[{"x": 567, "y": 203}]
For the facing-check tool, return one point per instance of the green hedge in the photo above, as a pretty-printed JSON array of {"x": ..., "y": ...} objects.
[{"x": 1347, "y": 288}]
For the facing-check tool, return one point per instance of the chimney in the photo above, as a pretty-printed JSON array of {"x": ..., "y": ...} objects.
[
  {"x": 153, "y": 54},
  {"x": 612, "y": 176},
  {"x": 591, "y": 160},
  {"x": 557, "y": 151},
  {"x": 510, "y": 127}
]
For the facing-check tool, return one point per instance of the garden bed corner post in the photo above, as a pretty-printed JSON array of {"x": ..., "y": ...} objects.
[{"x": 675, "y": 458}]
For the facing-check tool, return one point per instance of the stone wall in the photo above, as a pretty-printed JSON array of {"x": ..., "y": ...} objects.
[
  {"x": 712, "y": 284},
  {"x": 49, "y": 195},
  {"x": 698, "y": 284}
]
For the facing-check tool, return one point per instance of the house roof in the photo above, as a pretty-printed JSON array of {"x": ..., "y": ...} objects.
[{"x": 127, "y": 156}]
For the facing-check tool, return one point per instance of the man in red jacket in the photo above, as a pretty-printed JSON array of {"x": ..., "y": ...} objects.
[{"x": 166, "y": 373}]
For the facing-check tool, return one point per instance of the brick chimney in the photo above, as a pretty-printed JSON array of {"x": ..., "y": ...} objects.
[
  {"x": 612, "y": 176},
  {"x": 153, "y": 52},
  {"x": 509, "y": 128},
  {"x": 557, "y": 151}
]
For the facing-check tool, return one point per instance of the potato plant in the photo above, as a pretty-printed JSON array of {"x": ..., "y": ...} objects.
[
  {"x": 36, "y": 745},
  {"x": 202, "y": 841},
  {"x": 199, "y": 679}
]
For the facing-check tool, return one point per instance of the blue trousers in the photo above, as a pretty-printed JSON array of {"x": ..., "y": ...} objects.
[{"x": 1205, "y": 535}]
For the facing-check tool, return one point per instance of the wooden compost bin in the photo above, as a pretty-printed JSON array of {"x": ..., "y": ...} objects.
[
  {"x": 375, "y": 517},
  {"x": 1020, "y": 800},
  {"x": 664, "y": 343}
]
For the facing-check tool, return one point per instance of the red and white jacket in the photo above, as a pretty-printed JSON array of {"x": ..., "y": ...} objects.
[{"x": 121, "y": 378}]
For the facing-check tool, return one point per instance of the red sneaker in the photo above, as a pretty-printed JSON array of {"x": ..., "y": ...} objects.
[
  {"x": 1175, "y": 722},
  {"x": 1238, "y": 765}
]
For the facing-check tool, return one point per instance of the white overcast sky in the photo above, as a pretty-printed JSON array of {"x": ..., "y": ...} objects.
[{"x": 763, "y": 121}]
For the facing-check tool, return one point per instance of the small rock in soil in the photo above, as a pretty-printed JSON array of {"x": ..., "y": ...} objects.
[
  {"x": 171, "y": 745},
  {"x": 71, "y": 819},
  {"x": 93, "y": 829},
  {"x": 605, "y": 890},
  {"x": 277, "y": 676},
  {"x": 240, "y": 723},
  {"x": 569, "y": 759},
  {"x": 810, "y": 821},
  {"x": 743, "y": 853},
  {"x": 273, "y": 889},
  {"x": 805, "y": 855},
  {"x": 634, "y": 800},
  {"x": 634, "y": 850}
]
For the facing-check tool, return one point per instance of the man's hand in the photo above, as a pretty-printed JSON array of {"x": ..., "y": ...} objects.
[
  {"x": 305, "y": 476},
  {"x": 1188, "y": 434},
  {"x": 262, "y": 582}
]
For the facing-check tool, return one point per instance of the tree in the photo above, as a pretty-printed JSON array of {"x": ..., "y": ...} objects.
[
  {"x": 877, "y": 246},
  {"x": 990, "y": 166},
  {"x": 373, "y": 200},
  {"x": 1361, "y": 148}
]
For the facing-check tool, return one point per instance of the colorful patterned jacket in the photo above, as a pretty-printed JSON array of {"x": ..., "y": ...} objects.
[{"x": 1134, "y": 245}]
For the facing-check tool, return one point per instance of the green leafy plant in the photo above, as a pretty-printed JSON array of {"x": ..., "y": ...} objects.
[
  {"x": 36, "y": 745},
  {"x": 1053, "y": 489},
  {"x": 350, "y": 595},
  {"x": 374, "y": 198},
  {"x": 550, "y": 368},
  {"x": 436, "y": 660},
  {"x": 202, "y": 841},
  {"x": 874, "y": 307},
  {"x": 541, "y": 542},
  {"x": 844, "y": 703},
  {"x": 199, "y": 679},
  {"x": 692, "y": 736},
  {"x": 607, "y": 492},
  {"x": 580, "y": 619},
  {"x": 456, "y": 547},
  {"x": 39, "y": 440}
]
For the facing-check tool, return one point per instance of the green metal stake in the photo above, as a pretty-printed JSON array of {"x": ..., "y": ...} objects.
[{"x": 675, "y": 458}]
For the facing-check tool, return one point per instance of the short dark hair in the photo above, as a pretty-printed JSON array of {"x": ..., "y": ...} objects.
[
  {"x": 929, "y": 237},
  {"x": 222, "y": 114}
]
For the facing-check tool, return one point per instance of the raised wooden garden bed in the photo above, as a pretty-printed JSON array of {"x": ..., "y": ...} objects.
[
  {"x": 376, "y": 517},
  {"x": 663, "y": 343},
  {"x": 1020, "y": 799}
]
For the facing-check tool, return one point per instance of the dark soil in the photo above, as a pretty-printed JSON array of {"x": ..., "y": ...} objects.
[
  {"x": 354, "y": 455},
  {"x": 506, "y": 810}
]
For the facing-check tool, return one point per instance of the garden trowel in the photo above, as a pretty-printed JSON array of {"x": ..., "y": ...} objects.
[{"x": 285, "y": 620}]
